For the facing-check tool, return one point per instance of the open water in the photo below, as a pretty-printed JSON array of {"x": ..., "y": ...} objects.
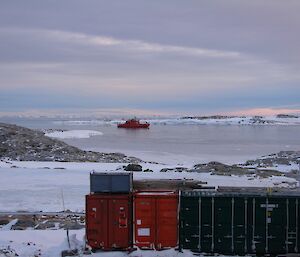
[{"x": 182, "y": 144}]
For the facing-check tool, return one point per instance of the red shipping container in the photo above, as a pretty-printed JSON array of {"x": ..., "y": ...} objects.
[
  {"x": 109, "y": 221},
  {"x": 156, "y": 219}
]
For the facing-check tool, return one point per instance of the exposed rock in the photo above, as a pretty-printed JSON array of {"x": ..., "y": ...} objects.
[
  {"x": 133, "y": 167},
  {"x": 44, "y": 222},
  {"x": 177, "y": 169},
  {"x": 148, "y": 170},
  {"x": 165, "y": 170},
  {"x": 263, "y": 167},
  {"x": 73, "y": 252},
  {"x": 272, "y": 160},
  {"x": 23, "y": 144},
  {"x": 217, "y": 168},
  {"x": 259, "y": 120},
  {"x": 4, "y": 222},
  {"x": 8, "y": 252},
  {"x": 72, "y": 226},
  {"x": 23, "y": 224},
  {"x": 287, "y": 116},
  {"x": 45, "y": 225}
]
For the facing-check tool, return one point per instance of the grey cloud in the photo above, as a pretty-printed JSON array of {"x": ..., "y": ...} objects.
[
  {"x": 180, "y": 54},
  {"x": 269, "y": 27}
]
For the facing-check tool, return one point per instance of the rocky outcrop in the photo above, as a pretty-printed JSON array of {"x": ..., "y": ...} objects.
[
  {"x": 284, "y": 116},
  {"x": 133, "y": 167},
  {"x": 23, "y": 144},
  {"x": 217, "y": 168},
  {"x": 176, "y": 169},
  {"x": 281, "y": 158},
  {"x": 265, "y": 166}
]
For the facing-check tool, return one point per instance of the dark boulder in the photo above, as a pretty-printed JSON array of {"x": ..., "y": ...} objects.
[{"x": 133, "y": 167}]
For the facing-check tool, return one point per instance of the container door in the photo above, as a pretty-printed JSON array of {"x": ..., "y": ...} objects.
[
  {"x": 282, "y": 225},
  {"x": 119, "y": 224},
  {"x": 145, "y": 222},
  {"x": 207, "y": 225},
  {"x": 97, "y": 222},
  {"x": 166, "y": 222},
  {"x": 240, "y": 226},
  {"x": 258, "y": 225},
  {"x": 292, "y": 206},
  {"x": 297, "y": 222},
  {"x": 190, "y": 207},
  {"x": 223, "y": 238}
]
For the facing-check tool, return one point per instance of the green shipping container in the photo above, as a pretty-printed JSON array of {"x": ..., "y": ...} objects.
[{"x": 233, "y": 223}]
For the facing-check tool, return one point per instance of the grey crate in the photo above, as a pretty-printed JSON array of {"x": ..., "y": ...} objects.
[{"x": 120, "y": 182}]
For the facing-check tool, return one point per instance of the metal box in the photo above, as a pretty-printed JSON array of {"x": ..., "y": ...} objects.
[
  {"x": 156, "y": 219},
  {"x": 239, "y": 223},
  {"x": 113, "y": 182},
  {"x": 109, "y": 221}
]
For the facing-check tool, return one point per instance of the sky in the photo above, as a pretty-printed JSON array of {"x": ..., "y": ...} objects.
[{"x": 171, "y": 56}]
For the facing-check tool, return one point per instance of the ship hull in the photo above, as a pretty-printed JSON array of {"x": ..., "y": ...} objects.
[{"x": 134, "y": 126}]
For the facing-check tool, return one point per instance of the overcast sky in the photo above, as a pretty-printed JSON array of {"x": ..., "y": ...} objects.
[{"x": 201, "y": 56}]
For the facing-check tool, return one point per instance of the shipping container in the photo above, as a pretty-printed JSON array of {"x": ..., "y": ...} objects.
[
  {"x": 116, "y": 182},
  {"x": 109, "y": 221},
  {"x": 156, "y": 219},
  {"x": 241, "y": 223}
]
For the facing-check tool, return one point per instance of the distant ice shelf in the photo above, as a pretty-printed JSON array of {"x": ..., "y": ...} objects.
[{"x": 214, "y": 120}]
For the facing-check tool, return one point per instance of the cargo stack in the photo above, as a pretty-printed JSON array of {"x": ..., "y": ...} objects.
[
  {"x": 228, "y": 221},
  {"x": 109, "y": 211},
  {"x": 113, "y": 208}
]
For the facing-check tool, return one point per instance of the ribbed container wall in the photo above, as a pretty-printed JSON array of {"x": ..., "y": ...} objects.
[
  {"x": 239, "y": 224},
  {"x": 156, "y": 219},
  {"x": 109, "y": 221}
]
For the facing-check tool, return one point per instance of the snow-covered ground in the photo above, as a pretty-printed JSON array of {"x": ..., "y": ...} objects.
[
  {"x": 74, "y": 134},
  {"x": 39, "y": 186},
  {"x": 286, "y": 168},
  {"x": 47, "y": 243}
]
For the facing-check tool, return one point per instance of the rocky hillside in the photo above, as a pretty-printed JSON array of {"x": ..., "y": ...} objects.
[
  {"x": 281, "y": 158},
  {"x": 19, "y": 143}
]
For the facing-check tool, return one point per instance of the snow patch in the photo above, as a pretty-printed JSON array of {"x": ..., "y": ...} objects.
[
  {"x": 74, "y": 134},
  {"x": 9, "y": 225}
]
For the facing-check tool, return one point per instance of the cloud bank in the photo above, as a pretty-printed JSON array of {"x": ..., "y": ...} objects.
[{"x": 197, "y": 57}]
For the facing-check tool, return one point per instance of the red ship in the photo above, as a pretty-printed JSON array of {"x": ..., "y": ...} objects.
[{"x": 133, "y": 124}]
